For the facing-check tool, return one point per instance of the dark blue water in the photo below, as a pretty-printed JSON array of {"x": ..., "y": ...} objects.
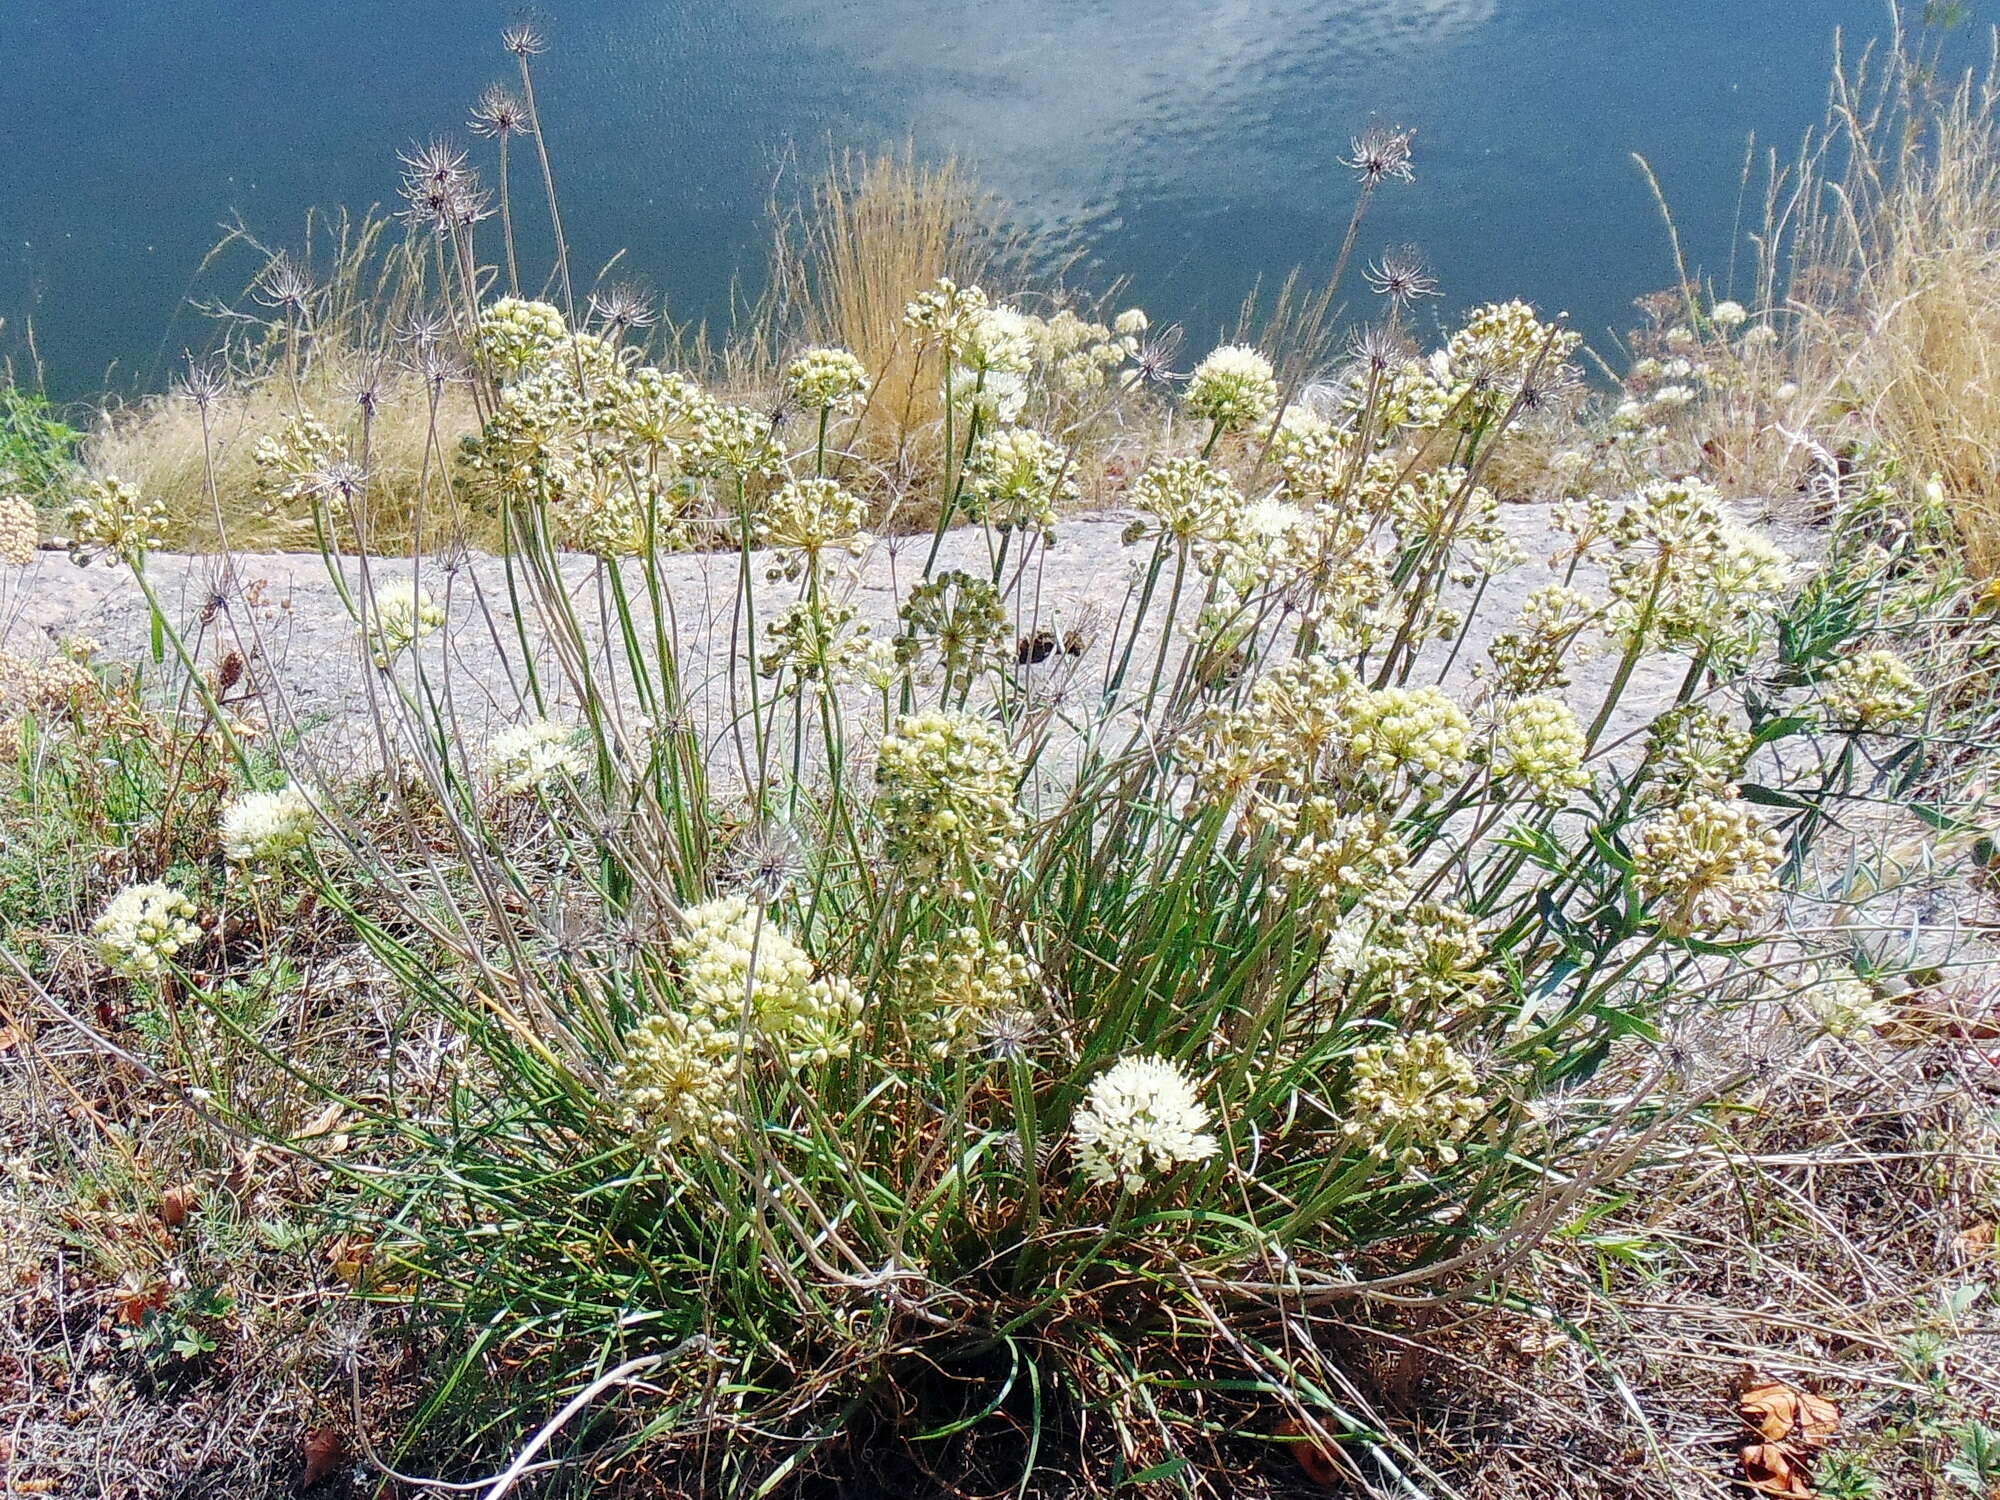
[{"x": 1191, "y": 144}]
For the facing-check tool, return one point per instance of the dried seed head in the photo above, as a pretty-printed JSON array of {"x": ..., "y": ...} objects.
[
  {"x": 622, "y": 307},
  {"x": 337, "y": 483},
  {"x": 424, "y": 329},
  {"x": 1380, "y": 153},
  {"x": 766, "y": 860},
  {"x": 1552, "y": 388},
  {"x": 441, "y": 190},
  {"x": 524, "y": 39},
  {"x": 500, "y": 113},
  {"x": 283, "y": 283},
  {"x": 1154, "y": 363},
  {"x": 368, "y": 395},
  {"x": 205, "y": 383},
  {"x": 1381, "y": 347},
  {"x": 1402, "y": 277}
]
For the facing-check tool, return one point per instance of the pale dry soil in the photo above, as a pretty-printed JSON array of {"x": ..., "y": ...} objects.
[{"x": 307, "y": 663}]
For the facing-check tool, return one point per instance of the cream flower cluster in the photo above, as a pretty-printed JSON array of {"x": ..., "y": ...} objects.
[
  {"x": 265, "y": 827},
  {"x": 1695, "y": 750},
  {"x": 878, "y": 664},
  {"x": 1874, "y": 690},
  {"x": 1538, "y": 743},
  {"x": 999, "y": 341},
  {"x": 959, "y": 618},
  {"x": 1080, "y": 354},
  {"x": 1418, "y": 733},
  {"x": 807, "y": 518},
  {"x": 1140, "y": 1118},
  {"x": 1443, "y": 507},
  {"x": 1706, "y": 866},
  {"x": 1846, "y": 1006},
  {"x": 817, "y": 641},
  {"x": 736, "y": 442},
  {"x": 143, "y": 927},
  {"x": 1428, "y": 957},
  {"x": 529, "y": 757},
  {"x": 292, "y": 462},
  {"x": 1016, "y": 477},
  {"x": 1296, "y": 711},
  {"x": 1686, "y": 575},
  {"x": 405, "y": 613},
  {"x": 1331, "y": 859},
  {"x": 1235, "y": 388},
  {"x": 1533, "y": 656},
  {"x": 1413, "y": 1101},
  {"x": 827, "y": 380},
  {"x": 110, "y": 515},
  {"x": 947, "y": 313},
  {"x": 19, "y": 535},
  {"x": 1320, "y": 462},
  {"x": 55, "y": 682},
  {"x": 603, "y": 506},
  {"x": 515, "y": 335},
  {"x": 747, "y": 990},
  {"x": 945, "y": 793},
  {"x": 1503, "y": 342},
  {"x": 1185, "y": 500},
  {"x": 994, "y": 350},
  {"x": 960, "y": 983}
]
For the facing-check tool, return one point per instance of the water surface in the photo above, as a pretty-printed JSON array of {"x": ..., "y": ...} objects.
[{"x": 1192, "y": 145}]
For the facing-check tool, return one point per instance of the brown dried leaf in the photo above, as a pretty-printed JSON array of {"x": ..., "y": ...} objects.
[
  {"x": 1318, "y": 1459},
  {"x": 1819, "y": 1418},
  {"x": 176, "y": 1202},
  {"x": 321, "y": 1123},
  {"x": 1770, "y": 1469},
  {"x": 1975, "y": 1243},
  {"x": 135, "y": 1301},
  {"x": 1779, "y": 1413},
  {"x": 323, "y": 1452}
]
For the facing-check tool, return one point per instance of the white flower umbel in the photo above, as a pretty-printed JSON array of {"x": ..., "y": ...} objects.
[
  {"x": 827, "y": 380},
  {"x": 19, "y": 534},
  {"x": 264, "y": 827},
  {"x": 1139, "y": 1119},
  {"x": 144, "y": 926},
  {"x": 404, "y": 615},
  {"x": 747, "y": 991},
  {"x": 526, "y": 757},
  {"x": 515, "y": 334},
  {"x": 1844, "y": 1006},
  {"x": 1234, "y": 387}
]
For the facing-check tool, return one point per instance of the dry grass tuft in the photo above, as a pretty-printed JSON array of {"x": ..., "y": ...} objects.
[
  {"x": 847, "y": 258},
  {"x": 1881, "y": 244},
  {"x": 333, "y": 355},
  {"x": 159, "y": 444}
]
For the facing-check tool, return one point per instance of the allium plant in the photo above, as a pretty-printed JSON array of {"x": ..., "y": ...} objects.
[{"x": 1023, "y": 1071}]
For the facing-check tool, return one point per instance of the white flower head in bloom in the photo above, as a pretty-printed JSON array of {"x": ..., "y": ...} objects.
[
  {"x": 404, "y": 615},
  {"x": 1846, "y": 1007},
  {"x": 828, "y": 380},
  {"x": 266, "y": 826},
  {"x": 144, "y": 926},
  {"x": 525, "y": 757},
  {"x": 1234, "y": 387},
  {"x": 1140, "y": 1116}
]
